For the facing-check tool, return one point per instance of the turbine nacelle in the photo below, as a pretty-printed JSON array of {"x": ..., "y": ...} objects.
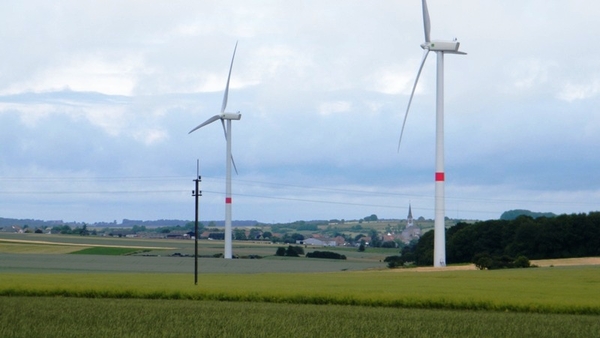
[
  {"x": 230, "y": 116},
  {"x": 222, "y": 117},
  {"x": 442, "y": 46}
]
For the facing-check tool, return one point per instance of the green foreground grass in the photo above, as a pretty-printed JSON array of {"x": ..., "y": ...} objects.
[
  {"x": 81, "y": 317},
  {"x": 568, "y": 290}
]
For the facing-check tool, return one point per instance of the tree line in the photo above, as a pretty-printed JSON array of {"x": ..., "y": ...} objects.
[{"x": 564, "y": 236}]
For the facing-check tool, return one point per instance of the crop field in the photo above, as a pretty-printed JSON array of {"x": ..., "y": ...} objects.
[
  {"x": 100, "y": 294},
  {"x": 82, "y": 317},
  {"x": 569, "y": 290}
]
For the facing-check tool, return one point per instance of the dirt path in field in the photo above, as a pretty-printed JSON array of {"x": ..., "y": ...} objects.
[
  {"x": 567, "y": 261},
  {"x": 22, "y": 241},
  {"x": 540, "y": 263},
  {"x": 447, "y": 268}
]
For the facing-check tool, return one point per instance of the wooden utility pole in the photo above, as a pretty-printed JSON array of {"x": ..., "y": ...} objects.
[{"x": 196, "y": 193}]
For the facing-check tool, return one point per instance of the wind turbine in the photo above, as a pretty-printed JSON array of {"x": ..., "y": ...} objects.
[
  {"x": 223, "y": 116},
  {"x": 440, "y": 48}
]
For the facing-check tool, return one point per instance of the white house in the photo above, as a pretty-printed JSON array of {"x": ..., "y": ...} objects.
[{"x": 318, "y": 242}]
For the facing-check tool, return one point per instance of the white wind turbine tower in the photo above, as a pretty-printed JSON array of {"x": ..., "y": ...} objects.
[
  {"x": 229, "y": 158},
  {"x": 440, "y": 48}
]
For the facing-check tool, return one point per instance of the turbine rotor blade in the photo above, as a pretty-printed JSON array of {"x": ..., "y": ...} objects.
[
  {"x": 426, "y": 22},
  {"x": 225, "y": 132},
  {"x": 209, "y": 121},
  {"x": 412, "y": 94},
  {"x": 234, "y": 167},
  {"x": 228, "y": 78}
]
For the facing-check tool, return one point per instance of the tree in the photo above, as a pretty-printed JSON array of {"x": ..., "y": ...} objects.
[
  {"x": 280, "y": 251},
  {"x": 375, "y": 239},
  {"x": 267, "y": 234},
  {"x": 255, "y": 233},
  {"x": 394, "y": 261},
  {"x": 389, "y": 244},
  {"x": 361, "y": 247},
  {"x": 216, "y": 235},
  {"x": 137, "y": 228},
  {"x": 522, "y": 262},
  {"x": 563, "y": 236},
  {"x": 483, "y": 261},
  {"x": 65, "y": 229},
  {"x": 293, "y": 238},
  {"x": 239, "y": 234},
  {"x": 514, "y": 214},
  {"x": 294, "y": 251},
  {"x": 192, "y": 226},
  {"x": 357, "y": 227},
  {"x": 325, "y": 254},
  {"x": 372, "y": 218},
  {"x": 297, "y": 237},
  {"x": 424, "y": 249}
]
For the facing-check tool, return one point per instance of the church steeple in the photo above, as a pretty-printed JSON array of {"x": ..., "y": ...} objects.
[{"x": 409, "y": 219}]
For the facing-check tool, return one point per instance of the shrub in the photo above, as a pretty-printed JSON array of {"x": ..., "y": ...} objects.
[
  {"x": 325, "y": 254},
  {"x": 291, "y": 251},
  {"x": 280, "y": 251},
  {"x": 484, "y": 261},
  {"x": 392, "y": 258},
  {"x": 394, "y": 261},
  {"x": 522, "y": 262},
  {"x": 294, "y": 251}
]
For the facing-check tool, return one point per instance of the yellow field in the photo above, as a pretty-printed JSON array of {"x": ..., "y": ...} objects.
[{"x": 33, "y": 248}]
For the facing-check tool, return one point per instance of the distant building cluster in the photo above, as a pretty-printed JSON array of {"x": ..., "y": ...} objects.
[{"x": 318, "y": 238}]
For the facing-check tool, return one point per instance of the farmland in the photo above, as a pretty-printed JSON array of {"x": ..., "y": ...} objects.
[
  {"x": 152, "y": 293},
  {"x": 80, "y": 317}
]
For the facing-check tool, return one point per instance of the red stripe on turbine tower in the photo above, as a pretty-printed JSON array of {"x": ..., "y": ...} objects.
[
  {"x": 228, "y": 200},
  {"x": 440, "y": 177}
]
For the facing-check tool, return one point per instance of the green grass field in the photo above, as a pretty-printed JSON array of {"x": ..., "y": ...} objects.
[
  {"x": 98, "y": 295},
  {"x": 82, "y": 317},
  {"x": 549, "y": 290}
]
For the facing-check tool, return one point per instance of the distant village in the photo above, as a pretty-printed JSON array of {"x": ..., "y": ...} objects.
[{"x": 331, "y": 233}]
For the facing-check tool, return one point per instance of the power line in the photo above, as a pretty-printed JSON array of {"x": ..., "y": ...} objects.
[
  {"x": 354, "y": 192},
  {"x": 90, "y": 179},
  {"x": 95, "y": 192}
]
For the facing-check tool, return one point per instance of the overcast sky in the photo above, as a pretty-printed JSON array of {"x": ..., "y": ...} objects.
[{"x": 97, "y": 99}]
